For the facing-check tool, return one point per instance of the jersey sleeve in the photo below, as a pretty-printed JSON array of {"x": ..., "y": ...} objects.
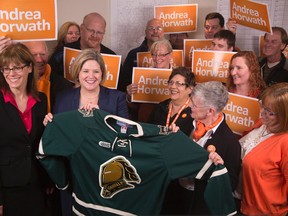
[
  {"x": 61, "y": 139},
  {"x": 185, "y": 158}
]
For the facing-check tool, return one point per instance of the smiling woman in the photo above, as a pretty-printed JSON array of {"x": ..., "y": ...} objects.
[
  {"x": 22, "y": 111},
  {"x": 161, "y": 52},
  {"x": 245, "y": 77},
  {"x": 88, "y": 71},
  {"x": 207, "y": 127},
  {"x": 265, "y": 157}
]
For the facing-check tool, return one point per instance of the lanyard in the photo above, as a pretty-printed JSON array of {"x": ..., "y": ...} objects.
[{"x": 178, "y": 113}]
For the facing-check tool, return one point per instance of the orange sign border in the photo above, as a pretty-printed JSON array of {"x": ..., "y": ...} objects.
[
  {"x": 210, "y": 51},
  {"x": 175, "y": 32},
  {"x": 34, "y": 38},
  {"x": 249, "y": 26},
  {"x": 103, "y": 55},
  {"x": 189, "y": 63},
  {"x": 228, "y": 122},
  {"x": 147, "y": 69}
]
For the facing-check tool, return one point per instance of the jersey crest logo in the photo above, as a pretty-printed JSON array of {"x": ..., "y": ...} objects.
[
  {"x": 164, "y": 130},
  {"x": 86, "y": 113},
  {"x": 116, "y": 175}
]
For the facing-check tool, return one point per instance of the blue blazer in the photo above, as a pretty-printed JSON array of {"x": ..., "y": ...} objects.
[{"x": 110, "y": 100}]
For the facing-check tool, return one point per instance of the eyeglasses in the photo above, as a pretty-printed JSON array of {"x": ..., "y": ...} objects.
[
  {"x": 151, "y": 28},
  {"x": 215, "y": 27},
  {"x": 160, "y": 55},
  {"x": 177, "y": 83},
  {"x": 93, "y": 32},
  {"x": 266, "y": 109},
  {"x": 16, "y": 69}
]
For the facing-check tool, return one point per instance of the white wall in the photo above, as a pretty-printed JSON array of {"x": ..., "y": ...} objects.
[{"x": 75, "y": 10}]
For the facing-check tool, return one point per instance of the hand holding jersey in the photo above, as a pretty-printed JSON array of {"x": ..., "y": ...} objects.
[{"x": 113, "y": 160}]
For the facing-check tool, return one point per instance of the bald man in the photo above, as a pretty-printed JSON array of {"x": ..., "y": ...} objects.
[
  {"x": 92, "y": 31},
  {"x": 49, "y": 82},
  {"x": 153, "y": 32}
]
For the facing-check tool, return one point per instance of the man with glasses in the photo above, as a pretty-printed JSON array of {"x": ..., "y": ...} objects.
[
  {"x": 274, "y": 67},
  {"x": 92, "y": 32},
  {"x": 214, "y": 22},
  {"x": 153, "y": 32}
]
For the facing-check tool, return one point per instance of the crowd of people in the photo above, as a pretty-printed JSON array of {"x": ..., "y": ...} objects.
[{"x": 33, "y": 89}]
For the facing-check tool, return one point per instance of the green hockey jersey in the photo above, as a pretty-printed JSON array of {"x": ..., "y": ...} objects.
[{"x": 120, "y": 167}]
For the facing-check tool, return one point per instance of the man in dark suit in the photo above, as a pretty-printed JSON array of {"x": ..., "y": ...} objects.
[
  {"x": 153, "y": 32},
  {"x": 92, "y": 32}
]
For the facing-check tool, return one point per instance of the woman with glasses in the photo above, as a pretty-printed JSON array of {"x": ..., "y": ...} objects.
[
  {"x": 22, "y": 109},
  {"x": 245, "y": 77},
  {"x": 176, "y": 109},
  {"x": 161, "y": 52},
  {"x": 265, "y": 157},
  {"x": 209, "y": 130}
]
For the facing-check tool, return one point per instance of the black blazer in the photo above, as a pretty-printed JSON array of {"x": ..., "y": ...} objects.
[
  {"x": 184, "y": 121},
  {"x": 18, "y": 164},
  {"x": 228, "y": 147}
]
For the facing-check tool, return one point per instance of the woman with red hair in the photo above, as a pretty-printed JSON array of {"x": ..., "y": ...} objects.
[{"x": 245, "y": 77}]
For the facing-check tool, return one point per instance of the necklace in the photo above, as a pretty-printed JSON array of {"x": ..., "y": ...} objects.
[
  {"x": 265, "y": 132},
  {"x": 261, "y": 135},
  {"x": 178, "y": 113},
  {"x": 84, "y": 99}
]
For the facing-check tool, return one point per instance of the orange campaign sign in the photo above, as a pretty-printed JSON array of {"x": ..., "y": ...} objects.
[
  {"x": 261, "y": 44},
  {"x": 153, "y": 84},
  {"x": 69, "y": 56},
  {"x": 241, "y": 112},
  {"x": 112, "y": 64},
  {"x": 251, "y": 14},
  {"x": 25, "y": 20},
  {"x": 211, "y": 65},
  {"x": 144, "y": 59},
  {"x": 177, "y": 18},
  {"x": 194, "y": 44}
]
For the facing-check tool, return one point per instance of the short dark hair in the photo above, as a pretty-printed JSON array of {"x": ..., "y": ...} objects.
[
  {"x": 185, "y": 72},
  {"x": 215, "y": 15},
  {"x": 284, "y": 36},
  {"x": 227, "y": 35}
]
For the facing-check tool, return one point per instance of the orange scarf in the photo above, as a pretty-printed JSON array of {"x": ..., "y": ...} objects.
[
  {"x": 44, "y": 85},
  {"x": 201, "y": 129}
]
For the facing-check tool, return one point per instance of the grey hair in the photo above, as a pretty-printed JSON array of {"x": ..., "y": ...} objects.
[
  {"x": 212, "y": 93},
  {"x": 157, "y": 44}
]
